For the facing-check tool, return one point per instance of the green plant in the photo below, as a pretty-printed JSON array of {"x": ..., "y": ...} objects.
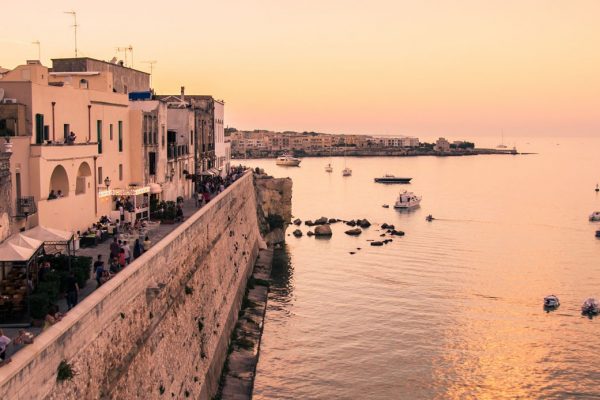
[
  {"x": 51, "y": 289},
  {"x": 39, "y": 304},
  {"x": 64, "y": 372}
]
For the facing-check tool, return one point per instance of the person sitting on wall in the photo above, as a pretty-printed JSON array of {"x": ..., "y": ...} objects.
[
  {"x": 71, "y": 138},
  {"x": 4, "y": 342},
  {"x": 52, "y": 195},
  {"x": 99, "y": 270},
  {"x": 52, "y": 317},
  {"x": 59, "y": 194}
]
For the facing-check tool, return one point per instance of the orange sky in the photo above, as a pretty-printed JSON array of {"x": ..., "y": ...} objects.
[{"x": 427, "y": 67}]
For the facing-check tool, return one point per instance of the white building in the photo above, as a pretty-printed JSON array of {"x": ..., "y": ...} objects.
[
  {"x": 222, "y": 149},
  {"x": 442, "y": 145}
]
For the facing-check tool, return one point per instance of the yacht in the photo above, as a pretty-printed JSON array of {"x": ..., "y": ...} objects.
[
  {"x": 590, "y": 307},
  {"x": 387, "y": 178},
  {"x": 329, "y": 168},
  {"x": 346, "y": 172},
  {"x": 595, "y": 216},
  {"x": 407, "y": 200},
  {"x": 551, "y": 302},
  {"x": 288, "y": 161}
]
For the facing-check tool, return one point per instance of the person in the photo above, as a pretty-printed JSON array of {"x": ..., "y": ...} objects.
[
  {"x": 52, "y": 317},
  {"x": 122, "y": 260},
  {"x": 59, "y": 194},
  {"x": 197, "y": 199},
  {"x": 76, "y": 237},
  {"x": 4, "y": 342},
  {"x": 71, "y": 138},
  {"x": 114, "y": 248},
  {"x": 100, "y": 273},
  {"x": 114, "y": 266},
  {"x": 127, "y": 252},
  {"x": 179, "y": 213},
  {"x": 43, "y": 270},
  {"x": 137, "y": 249},
  {"x": 24, "y": 337},
  {"x": 206, "y": 197},
  {"x": 52, "y": 195},
  {"x": 147, "y": 243},
  {"x": 98, "y": 262},
  {"x": 72, "y": 291}
]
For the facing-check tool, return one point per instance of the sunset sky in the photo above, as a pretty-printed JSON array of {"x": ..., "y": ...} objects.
[{"x": 461, "y": 67}]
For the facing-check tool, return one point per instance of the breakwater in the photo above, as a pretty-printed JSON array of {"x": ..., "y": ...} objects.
[{"x": 161, "y": 328}]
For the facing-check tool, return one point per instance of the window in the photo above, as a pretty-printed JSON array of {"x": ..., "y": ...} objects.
[
  {"x": 163, "y": 136},
  {"x": 110, "y": 131},
  {"x": 120, "y": 172},
  {"x": 99, "y": 134},
  {"x": 120, "y": 136},
  {"x": 83, "y": 84},
  {"x": 152, "y": 163},
  {"x": 191, "y": 137},
  {"x": 46, "y": 132},
  {"x": 39, "y": 128},
  {"x": 100, "y": 180},
  {"x": 66, "y": 131}
]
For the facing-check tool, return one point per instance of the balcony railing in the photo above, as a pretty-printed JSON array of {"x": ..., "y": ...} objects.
[{"x": 26, "y": 206}]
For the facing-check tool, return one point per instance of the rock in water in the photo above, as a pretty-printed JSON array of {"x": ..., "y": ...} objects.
[
  {"x": 384, "y": 225},
  {"x": 323, "y": 230},
  {"x": 310, "y": 233},
  {"x": 308, "y": 222},
  {"x": 297, "y": 233},
  {"x": 297, "y": 221},
  {"x": 333, "y": 220},
  {"x": 363, "y": 223},
  {"x": 321, "y": 221},
  {"x": 396, "y": 233},
  {"x": 377, "y": 243},
  {"x": 354, "y": 232},
  {"x": 351, "y": 223}
]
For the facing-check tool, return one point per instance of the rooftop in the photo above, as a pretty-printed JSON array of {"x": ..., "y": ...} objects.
[{"x": 116, "y": 64}]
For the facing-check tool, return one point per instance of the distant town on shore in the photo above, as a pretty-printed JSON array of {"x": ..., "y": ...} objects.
[{"x": 264, "y": 144}]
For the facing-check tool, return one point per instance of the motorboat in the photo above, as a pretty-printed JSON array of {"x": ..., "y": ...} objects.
[
  {"x": 329, "y": 168},
  {"x": 392, "y": 179},
  {"x": 551, "y": 302},
  {"x": 590, "y": 307},
  {"x": 288, "y": 161},
  {"x": 346, "y": 172},
  {"x": 595, "y": 216},
  {"x": 385, "y": 206},
  {"x": 407, "y": 200}
]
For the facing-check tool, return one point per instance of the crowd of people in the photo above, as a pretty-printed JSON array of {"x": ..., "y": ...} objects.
[
  {"x": 213, "y": 185},
  {"x": 121, "y": 255}
]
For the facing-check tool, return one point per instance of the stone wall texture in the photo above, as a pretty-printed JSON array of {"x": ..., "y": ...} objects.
[
  {"x": 160, "y": 329},
  {"x": 5, "y": 196}
]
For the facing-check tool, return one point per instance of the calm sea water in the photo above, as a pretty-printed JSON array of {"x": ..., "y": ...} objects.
[{"x": 453, "y": 310}]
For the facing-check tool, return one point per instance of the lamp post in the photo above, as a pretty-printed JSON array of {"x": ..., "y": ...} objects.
[{"x": 107, "y": 182}]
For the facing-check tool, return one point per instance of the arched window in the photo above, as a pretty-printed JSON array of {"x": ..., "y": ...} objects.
[
  {"x": 83, "y": 174},
  {"x": 83, "y": 84},
  {"x": 59, "y": 181}
]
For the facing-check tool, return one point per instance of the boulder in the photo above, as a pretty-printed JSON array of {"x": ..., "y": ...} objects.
[
  {"x": 351, "y": 223},
  {"x": 308, "y": 222},
  {"x": 333, "y": 220},
  {"x": 321, "y": 221},
  {"x": 387, "y": 226},
  {"x": 376, "y": 243},
  {"x": 396, "y": 233},
  {"x": 297, "y": 233},
  {"x": 363, "y": 223},
  {"x": 310, "y": 233},
  {"x": 323, "y": 230},
  {"x": 297, "y": 221},
  {"x": 354, "y": 232}
]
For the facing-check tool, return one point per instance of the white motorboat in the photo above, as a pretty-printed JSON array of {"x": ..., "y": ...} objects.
[
  {"x": 595, "y": 216},
  {"x": 407, "y": 200},
  {"x": 346, "y": 172},
  {"x": 590, "y": 307},
  {"x": 329, "y": 168},
  {"x": 551, "y": 301},
  {"x": 288, "y": 161}
]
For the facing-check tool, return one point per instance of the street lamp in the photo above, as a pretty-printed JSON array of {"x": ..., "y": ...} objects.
[{"x": 107, "y": 182}]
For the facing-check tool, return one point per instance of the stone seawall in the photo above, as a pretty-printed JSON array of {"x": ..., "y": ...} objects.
[{"x": 159, "y": 329}]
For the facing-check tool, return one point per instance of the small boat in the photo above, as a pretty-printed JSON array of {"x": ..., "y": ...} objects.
[
  {"x": 385, "y": 206},
  {"x": 551, "y": 302},
  {"x": 595, "y": 216},
  {"x": 288, "y": 161},
  {"x": 590, "y": 307},
  {"x": 429, "y": 218},
  {"x": 392, "y": 179},
  {"x": 328, "y": 168},
  {"x": 407, "y": 200},
  {"x": 346, "y": 172}
]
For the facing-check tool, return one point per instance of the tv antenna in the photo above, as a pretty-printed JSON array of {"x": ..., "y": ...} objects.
[
  {"x": 74, "y": 26},
  {"x": 125, "y": 50},
  {"x": 39, "y": 46},
  {"x": 151, "y": 63}
]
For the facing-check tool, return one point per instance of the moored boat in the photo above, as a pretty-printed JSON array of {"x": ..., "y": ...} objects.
[
  {"x": 346, "y": 172},
  {"x": 328, "y": 168},
  {"x": 392, "y": 179},
  {"x": 407, "y": 200},
  {"x": 288, "y": 161},
  {"x": 595, "y": 216},
  {"x": 551, "y": 302}
]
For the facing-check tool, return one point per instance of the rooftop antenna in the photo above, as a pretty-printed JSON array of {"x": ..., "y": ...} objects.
[
  {"x": 151, "y": 63},
  {"x": 39, "y": 46},
  {"x": 74, "y": 26},
  {"x": 125, "y": 50}
]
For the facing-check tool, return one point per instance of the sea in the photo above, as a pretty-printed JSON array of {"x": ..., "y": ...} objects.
[{"x": 454, "y": 309}]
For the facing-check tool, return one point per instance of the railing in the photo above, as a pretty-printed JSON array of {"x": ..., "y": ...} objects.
[{"x": 26, "y": 206}]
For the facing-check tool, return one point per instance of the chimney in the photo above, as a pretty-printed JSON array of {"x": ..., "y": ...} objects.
[{"x": 183, "y": 93}]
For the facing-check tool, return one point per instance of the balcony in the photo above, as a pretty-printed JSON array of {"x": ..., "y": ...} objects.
[{"x": 56, "y": 152}]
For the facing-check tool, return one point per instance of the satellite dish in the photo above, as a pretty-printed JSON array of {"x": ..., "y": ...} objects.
[{"x": 1, "y": 94}]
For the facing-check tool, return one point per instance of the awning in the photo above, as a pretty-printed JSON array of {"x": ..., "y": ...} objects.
[
  {"x": 155, "y": 188},
  {"x": 49, "y": 235},
  {"x": 19, "y": 248}
]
